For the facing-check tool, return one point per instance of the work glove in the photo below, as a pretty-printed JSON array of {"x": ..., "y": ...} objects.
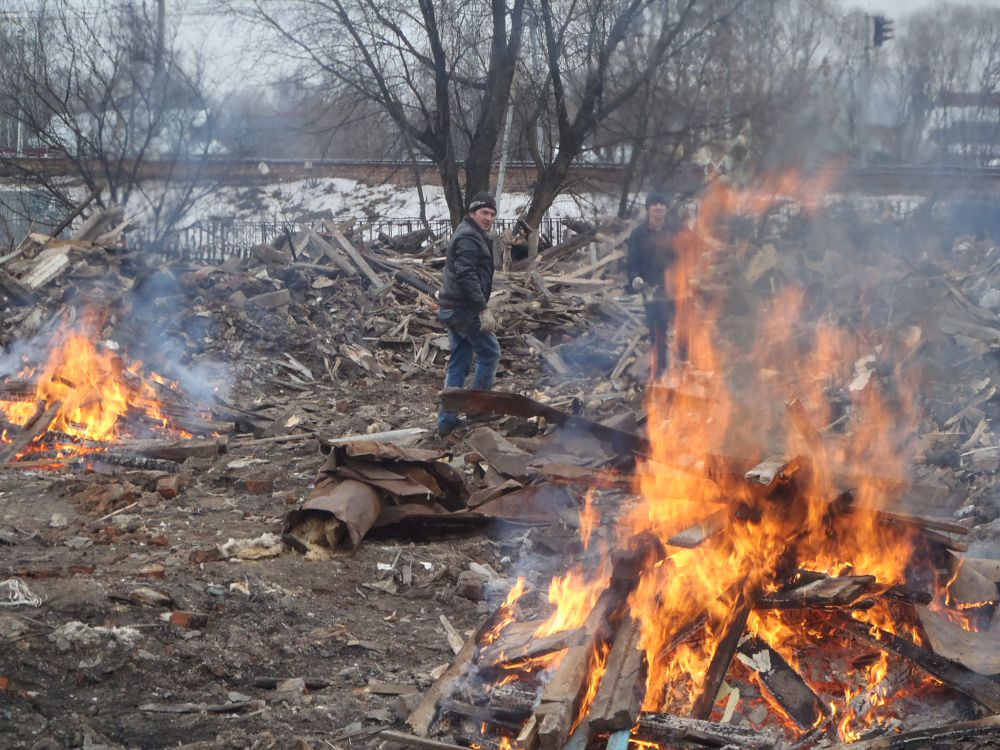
[
  {"x": 487, "y": 322},
  {"x": 638, "y": 284}
]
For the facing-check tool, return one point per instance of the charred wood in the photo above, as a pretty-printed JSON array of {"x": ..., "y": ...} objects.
[
  {"x": 482, "y": 715},
  {"x": 981, "y": 689},
  {"x": 666, "y": 729},
  {"x": 783, "y": 682},
  {"x": 512, "y": 702},
  {"x": 130, "y": 460},
  {"x": 824, "y": 592},
  {"x": 619, "y": 697},
  {"x": 936, "y": 737},
  {"x": 724, "y": 653}
]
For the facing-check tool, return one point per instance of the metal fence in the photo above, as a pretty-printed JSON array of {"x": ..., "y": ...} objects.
[{"x": 216, "y": 240}]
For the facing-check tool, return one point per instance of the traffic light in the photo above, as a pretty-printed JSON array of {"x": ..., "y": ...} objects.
[{"x": 883, "y": 30}]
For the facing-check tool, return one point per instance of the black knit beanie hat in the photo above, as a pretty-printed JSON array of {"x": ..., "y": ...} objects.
[
  {"x": 654, "y": 198},
  {"x": 482, "y": 200}
]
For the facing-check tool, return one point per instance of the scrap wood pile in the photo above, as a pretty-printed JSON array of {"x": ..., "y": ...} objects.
[{"x": 282, "y": 312}]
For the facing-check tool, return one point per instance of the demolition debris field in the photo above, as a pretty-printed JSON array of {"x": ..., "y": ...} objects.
[{"x": 163, "y": 595}]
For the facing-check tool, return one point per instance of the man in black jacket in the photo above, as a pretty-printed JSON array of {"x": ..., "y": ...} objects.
[
  {"x": 464, "y": 296},
  {"x": 651, "y": 258}
]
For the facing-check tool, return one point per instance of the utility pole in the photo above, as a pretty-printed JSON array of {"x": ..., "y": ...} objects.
[
  {"x": 505, "y": 143},
  {"x": 161, "y": 38}
]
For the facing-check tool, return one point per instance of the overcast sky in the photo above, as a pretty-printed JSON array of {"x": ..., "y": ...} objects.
[{"x": 897, "y": 8}]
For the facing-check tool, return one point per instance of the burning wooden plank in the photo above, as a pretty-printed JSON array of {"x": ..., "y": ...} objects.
[
  {"x": 981, "y": 689},
  {"x": 619, "y": 697},
  {"x": 666, "y": 730},
  {"x": 797, "y": 699},
  {"x": 38, "y": 424},
  {"x": 823, "y": 592},
  {"x": 519, "y": 643},
  {"x": 563, "y": 695},
  {"x": 935, "y": 737},
  {"x": 724, "y": 653}
]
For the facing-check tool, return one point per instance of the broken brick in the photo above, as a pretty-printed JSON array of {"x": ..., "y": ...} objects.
[
  {"x": 184, "y": 619},
  {"x": 169, "y": 487},
  {"x": 210, "y": 554},
  {"x": 256, "y": 485}
]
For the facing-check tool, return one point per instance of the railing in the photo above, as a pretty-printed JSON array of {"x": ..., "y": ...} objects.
[{"x": 217, "y": 240}]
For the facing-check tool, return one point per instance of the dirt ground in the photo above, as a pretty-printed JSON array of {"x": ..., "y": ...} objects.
[{"x": 334, "y": 623}]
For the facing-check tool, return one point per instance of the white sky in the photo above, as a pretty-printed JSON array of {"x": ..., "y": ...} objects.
[{"x": 899, "y": 8}]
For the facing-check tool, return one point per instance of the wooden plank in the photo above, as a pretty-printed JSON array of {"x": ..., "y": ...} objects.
[
  {"x": 359, "y": 261},
  {"x": 801, "y": 704},
  {"x": 623, "y": 359},
  {"x": 824, "y": 592},
  {"x": 561, "y": 699},
  {"x": 592, "y": 267},
  {"x": 47, "y": 265},
  {"x": 335, "y": 256},
  {"x": 500, "y": 653},
  {"x": 619, "y": 697},
  {"x": 981, "y": 689},
  {"x": 37, "y": 425},
  {"x": 724, "y": 654},
  {"x": 665, "y": 729},
  {"x": 934, "y": 737},
  {"x": 552, "y": 359},
  {"x": 696, "y": 534},
  {"x": 619, "y": 740}
]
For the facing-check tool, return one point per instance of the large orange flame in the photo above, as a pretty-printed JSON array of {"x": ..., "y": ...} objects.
[{"x": 100, "y": 397}]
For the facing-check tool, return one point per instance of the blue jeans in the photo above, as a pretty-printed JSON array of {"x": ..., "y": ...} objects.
[{"x": 467, "y": 339}]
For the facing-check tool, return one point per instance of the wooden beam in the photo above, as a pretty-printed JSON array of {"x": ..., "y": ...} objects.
[
  {"x": 981, "y": 689},
  {"x": 665, "y": 729},
  {"x": 724, "y": 654},
  {"x": 38, "y": 424},
  {"x": 619, "y": 697},
  {"x": 377, "y": 282},
  {"x": 934, "y": 737},
  {"x": 801, "y": 704}
]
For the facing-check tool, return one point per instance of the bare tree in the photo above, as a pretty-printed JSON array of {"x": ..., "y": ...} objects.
[
  {"x": 947, "y": 73},
  {"x": 441, "y": 72},
  {"x": 590, "y": 76},
  {"x": 98, "y": 88}
]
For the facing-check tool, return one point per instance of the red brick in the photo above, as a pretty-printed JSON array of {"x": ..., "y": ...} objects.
[
  {"x": 184, "y": 619},
  {"x": 169, "y": 487}
]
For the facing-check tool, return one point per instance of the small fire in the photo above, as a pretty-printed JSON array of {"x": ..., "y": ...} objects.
[
  {"x": 590, "y": 517},
  {"x": 96, "y": 397},
  {"x": 506, "y": 613},
  {"x": 598, "y": 666}
]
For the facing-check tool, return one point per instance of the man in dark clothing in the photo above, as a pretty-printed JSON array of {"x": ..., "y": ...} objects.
[
  {"x": 464, "y": 296},
  {"x": 651, "y": 257}
]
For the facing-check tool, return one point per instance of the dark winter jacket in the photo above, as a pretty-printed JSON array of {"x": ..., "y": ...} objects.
[
  {"x": 468, "y": 269},
  {"x": 651, "y": 254}
]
